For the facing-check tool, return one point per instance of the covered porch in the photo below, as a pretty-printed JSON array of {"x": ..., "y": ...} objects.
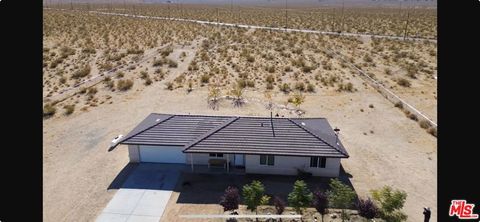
[{"x": 216, "y": 163}]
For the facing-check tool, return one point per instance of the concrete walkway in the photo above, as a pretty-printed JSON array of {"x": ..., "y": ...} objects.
[{"x": 144, "y": 195}]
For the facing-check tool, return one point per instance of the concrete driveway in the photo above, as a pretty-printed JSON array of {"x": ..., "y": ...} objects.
[{"x": 144, "y": 195}]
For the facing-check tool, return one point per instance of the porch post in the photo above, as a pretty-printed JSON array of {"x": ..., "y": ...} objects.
[
  {"x": 228, "y": 163},
  {"x": 191, "y": 160}
]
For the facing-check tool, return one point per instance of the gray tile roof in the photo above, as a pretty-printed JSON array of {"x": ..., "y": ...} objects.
[{"x": 245, "y": 135}]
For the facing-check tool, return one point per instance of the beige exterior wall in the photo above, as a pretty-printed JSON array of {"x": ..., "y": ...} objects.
[
  {"x": 287, "y": 165},
  {"x": 133, "y": 153},
  {"x": 202, "y": 158}
]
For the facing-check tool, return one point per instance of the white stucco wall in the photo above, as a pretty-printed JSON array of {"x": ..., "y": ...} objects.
[
  {"x": 287, "y": 165},
  {"x": 202, "y": 158},
  {"x": 133, "y": 153}
]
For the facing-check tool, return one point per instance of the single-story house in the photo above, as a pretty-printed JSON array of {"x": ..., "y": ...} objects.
[{"x": 259, "y": 145}]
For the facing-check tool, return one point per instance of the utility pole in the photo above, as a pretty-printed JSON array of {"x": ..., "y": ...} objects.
[
  {"x": 71, "y": 5},
  {"x": 286, "y": 14},
  {"x": 343, "y": 17},
  {"x": 168, "y": 9},
  {"x": 334, "y": 22},
  {"x": 406, "y": 25},
  {"x": 217, "y": 16}
]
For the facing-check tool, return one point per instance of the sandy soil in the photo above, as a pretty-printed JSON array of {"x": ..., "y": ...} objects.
[{"x": 78, "y": 169}]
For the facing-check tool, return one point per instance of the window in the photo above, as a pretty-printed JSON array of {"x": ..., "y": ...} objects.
[
  {"x": 318, "y": 162},
  {"x": 216, "y": 154},
  {"x": 267, "y": 160}
]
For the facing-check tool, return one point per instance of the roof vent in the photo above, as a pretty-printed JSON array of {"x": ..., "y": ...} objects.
[
  {"x": 303, "y": 124},
  {"x": 261, "y": 124},
  {"x": 158, "y": 120}
]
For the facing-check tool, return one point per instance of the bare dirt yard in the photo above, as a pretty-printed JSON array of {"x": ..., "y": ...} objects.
[{"x": 385, "y": 147}]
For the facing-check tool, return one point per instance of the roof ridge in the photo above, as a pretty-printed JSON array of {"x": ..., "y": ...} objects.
[
  {"x": 211, "y": 132},
  {"x": 318, "y": 137},
  {"x": 156, "y": 124}
]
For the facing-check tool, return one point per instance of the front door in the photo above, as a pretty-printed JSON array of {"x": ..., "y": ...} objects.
[{"x": 239, "y": 160}]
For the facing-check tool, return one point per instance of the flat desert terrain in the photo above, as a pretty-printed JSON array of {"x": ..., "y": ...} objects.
[{"x": 173, "y": 67}]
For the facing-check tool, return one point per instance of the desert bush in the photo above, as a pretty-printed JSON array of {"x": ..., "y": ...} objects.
[
  {"x": 82, "y": 90},
  {"x": 92, "y": 91},
  {"x": 285, "y": 87},
  {"x": 399, "y": 105},
  {"x": 81, "y": 72},
  {"x": 135, "y": 51},
  {"x": 148, "y": 81},
  {"x": 172, "y": 64},
  {"x": 307, "y": 69},
  {"x": 346, "y": 87},
  {"x": 403, "y": 82},
  {"x": 388, "y": 71},
  {"x": 120, "y": 74},
  {"x": 250, "y": 58},
  {"x": 310, "y": 87},
  {"x": 205, "y": 78},
  {"x": 269, "y": 86},
  {"x": 242, "y": 83},
  {"x": 432, "y": 130},
  {"x": 270, "y": 69},
  {"x": 237, "y": 93},
  {"x": 169, "y": 85},
  {"x": 270, "y": 79},
  {"x": 287, "y": 69},
  {"x": 166, "y": 51},
  {"x": 412, "y": 116},
  {"x": 143, "y": 75},
  {"x": 49, "y": 110},
  {"x": 124, "y": 85},
  {"x": 424, "y": 124},
  {"x": 158, "y": 62},
  {"x": 300, "y": 86},
  {"x": 69, "y": 109},
  {"x": 250, "y": 83},
  {"x": 297, "y": 99}
]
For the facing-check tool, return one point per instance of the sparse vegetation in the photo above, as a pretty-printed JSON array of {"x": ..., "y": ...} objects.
[{"x": 124, "y": 85}]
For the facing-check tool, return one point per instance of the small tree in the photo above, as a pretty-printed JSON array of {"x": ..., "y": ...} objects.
[
  {"x": 279, "y": 204},
  {"x": 213, "y": 96},
  {"x": 300, "y": 197},
  {"x": 320, "y": 202},
  {"x": 230, "y": 199},
  {"x": 390, "y": 202},
  {"x": 340, "y": 196},
  {"x": 367, "y": 209},
  {"x": 237, "y": 94},
  {"x": 268, "y": 97},
  {"x": 253, "y": 194}
]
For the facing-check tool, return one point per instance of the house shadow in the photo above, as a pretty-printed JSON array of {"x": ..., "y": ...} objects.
[
  {"x": 151, "y": 176},
  {"x": 203, "y": 188}
]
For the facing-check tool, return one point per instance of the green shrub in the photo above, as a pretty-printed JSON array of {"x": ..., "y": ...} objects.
[
  {"x": 301, "y": 197},
  {"x": 390, "y": 203}
]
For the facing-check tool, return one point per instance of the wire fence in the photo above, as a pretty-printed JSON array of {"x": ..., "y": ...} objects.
[{"x": 389, "y": 95}]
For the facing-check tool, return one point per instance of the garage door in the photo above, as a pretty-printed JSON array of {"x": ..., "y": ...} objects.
[{"x": 162, "y": 154}]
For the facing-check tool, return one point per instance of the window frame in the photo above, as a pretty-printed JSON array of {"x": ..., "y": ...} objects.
[
  {"x": 267, "y": 160},
  {"x": 318, "y": 162},
  {"x": 215, "y": 155}
]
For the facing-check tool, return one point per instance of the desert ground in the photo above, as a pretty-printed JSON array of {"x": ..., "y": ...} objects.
[{"x": 173, "y": 67}]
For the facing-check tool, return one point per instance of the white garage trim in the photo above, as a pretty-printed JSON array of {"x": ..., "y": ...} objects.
[{"x": 162, "y": 154}]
